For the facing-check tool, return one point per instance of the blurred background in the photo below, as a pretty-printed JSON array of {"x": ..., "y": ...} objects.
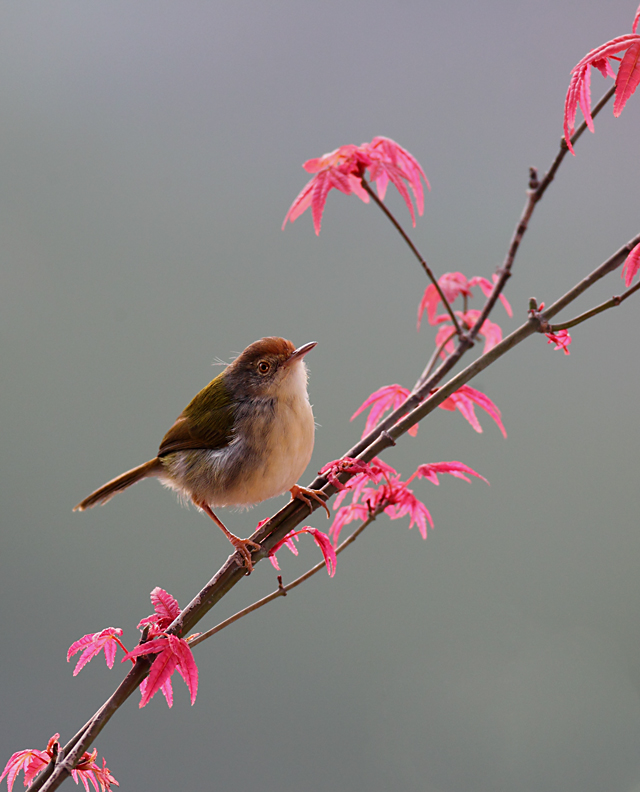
[{"x": 149, "y": 152}]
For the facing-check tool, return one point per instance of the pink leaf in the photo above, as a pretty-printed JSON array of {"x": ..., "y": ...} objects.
[
  {"x": 166, "y": 611},
  {"x": 29, "y": 760},
  {"x": 628, "y": 77},
  {"x": 87, "y": 770},
  {"x": 634, "y": 28},
  {"x": 186, "y": 665},
  {"x": 403, "y": 502},
  {"x": 457, "y": 469},
  {"x": 491, "y": 332},
  {"x": 94, "y": 643},
  {"x": 343, "y": 169},
  {"x": 320, "y": 538},
  {"x": 172, "y": 653},
  {"x": 166, "y": 689},
  {"x": 348, "y": 465},
  {"x": 561, "y": 339},
  {"x": 631, "y": 265},
  {"x": 345, "y": 515},
  {"x": 390, "y": 397},
  {"x": 392, "y": 162},
  {"x": 487, "y": 287},
  {"x": 579, "y": 86},
  {"x": 464, "y": 399}
]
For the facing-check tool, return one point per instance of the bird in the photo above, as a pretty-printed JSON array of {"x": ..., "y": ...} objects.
[{"x": 245, "y": 437}]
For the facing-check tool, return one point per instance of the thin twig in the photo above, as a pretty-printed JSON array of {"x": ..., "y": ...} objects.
[
  {"x": 415, "y": 251},
  {"x": 434, "y": 358},
  {"x": 574, "y": 138},
  {"x": 614, "y": 302}
]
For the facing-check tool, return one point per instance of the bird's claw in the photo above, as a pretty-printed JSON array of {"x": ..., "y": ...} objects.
[
  {"x": 304, "y": 494},
  {"x": 242, "y": 547}
]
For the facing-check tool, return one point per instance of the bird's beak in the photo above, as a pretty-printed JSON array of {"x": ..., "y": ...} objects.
[{"x": 300, "y": 352}]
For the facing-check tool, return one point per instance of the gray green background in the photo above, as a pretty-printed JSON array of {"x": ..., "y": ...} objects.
[{"x": 148, "y": 154}]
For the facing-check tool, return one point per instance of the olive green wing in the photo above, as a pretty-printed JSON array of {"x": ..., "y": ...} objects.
[{"x": 205, "y": 423}]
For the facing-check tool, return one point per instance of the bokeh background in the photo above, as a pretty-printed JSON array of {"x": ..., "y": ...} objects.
[{"x": 148, "y": 154}]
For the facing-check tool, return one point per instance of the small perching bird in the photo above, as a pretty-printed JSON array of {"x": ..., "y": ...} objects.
[{"x": 245, "y": 437}]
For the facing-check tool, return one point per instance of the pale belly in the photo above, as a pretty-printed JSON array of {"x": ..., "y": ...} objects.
[{"x": 246, "y": 473}]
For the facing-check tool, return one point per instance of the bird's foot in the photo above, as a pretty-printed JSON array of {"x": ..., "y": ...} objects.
[
  {"x": 243, "y": 547},
  {"x": 304, "y": 494}
]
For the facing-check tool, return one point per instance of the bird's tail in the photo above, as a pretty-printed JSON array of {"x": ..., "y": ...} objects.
[{"x": 108, "y": 490}]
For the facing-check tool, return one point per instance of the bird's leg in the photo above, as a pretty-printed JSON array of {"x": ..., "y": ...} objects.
[
  {"x": 304, "y": 493},
  {"x": 241, "y": 545}
]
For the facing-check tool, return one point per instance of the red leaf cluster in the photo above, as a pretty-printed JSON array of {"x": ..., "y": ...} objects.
[
  {"x": 627, "y": 79},
  {"x": 344, "y": 169},
  {"x": 32, "y": 762}
]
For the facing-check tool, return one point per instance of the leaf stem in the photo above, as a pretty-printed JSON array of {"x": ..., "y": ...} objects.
[{"x": 415, "y": 251}]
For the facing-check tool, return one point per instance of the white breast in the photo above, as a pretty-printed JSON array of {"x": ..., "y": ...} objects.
[
  {"x": 267, "y": 458},
  {"x": 288, "y": 446}
]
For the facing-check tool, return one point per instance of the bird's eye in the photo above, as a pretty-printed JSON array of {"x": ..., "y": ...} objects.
[{"x": 264, "y": 367}]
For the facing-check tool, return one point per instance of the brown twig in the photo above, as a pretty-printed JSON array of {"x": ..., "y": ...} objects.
[
  {"x": 415, "y": 251},
  {"x": 614, "y": 302}
]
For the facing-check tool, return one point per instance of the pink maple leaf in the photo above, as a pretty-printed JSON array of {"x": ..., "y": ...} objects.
[
  {"x": 632, "y": 263},
  {"x": 87, "y": 770},
  {"x": 465, "y": 398},
  {"x": 454, "y": 284},
  {"x": 345, "y": 515},
  {"x": 30, "y": 760},
  {"x": 490, "y": 331},
  {"x": 457, "y": 469},
  {"x": 390, "y": 397},
  {"x": 628, "y": 77},
  {"x": 173, "y": 654},
  {"x": 166, "y": 611},
  {"x": 376, "y": 472},
  {"x": 393, "y": 495},
  {"x": 166, "y": 689},
  {"x": 561, "y": 339},
  {"x": 486, "y": 287},
  {"x": 320, "y": 538},
  {"x": 579, "y": 91},
  {"x": 33, "y": 762},
  {"x": 403, "y": 502},
  {"x": 343, "y": 169},
  {"x": 444, "y": 339},
  {"x": 349, "y": 465},
  {"x": 106, "y": 641},
  {"x": 391, "y": 162}
]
